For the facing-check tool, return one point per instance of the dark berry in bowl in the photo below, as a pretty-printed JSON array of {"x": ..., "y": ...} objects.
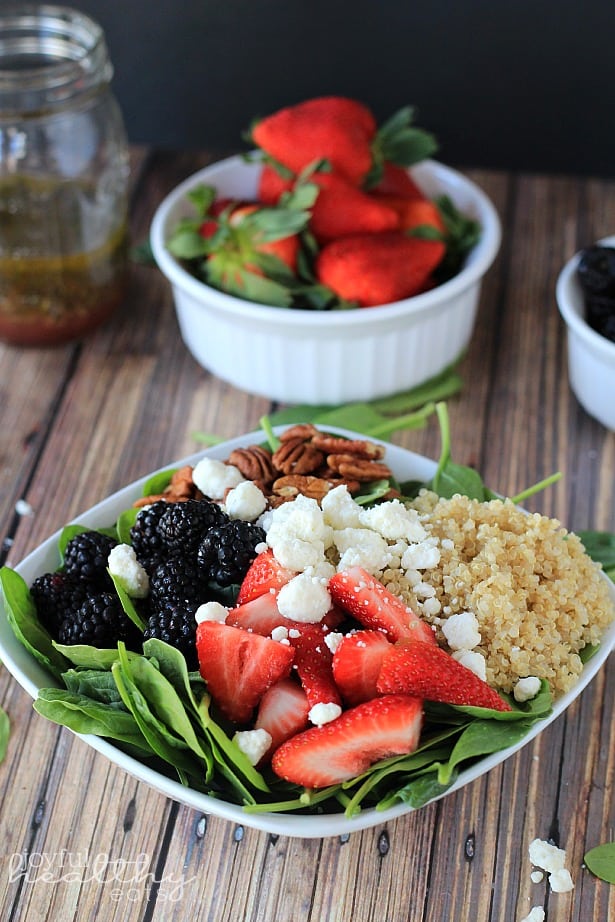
[{"x": 596, "y": 275}]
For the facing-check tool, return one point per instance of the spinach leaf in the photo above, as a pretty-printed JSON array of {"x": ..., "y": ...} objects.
[
  {"x": 158, "y": 482},
  {"x": 418, "y": 792},
  {"x": 172, "y": 665},
  {"x": 83, "y": 715},
  {"x": 125, "y": 521},
  {"x": 537, "y": 707},
  {"x": 5, "y": 730},
  {"x": 230, "y": 759},
  {"x": 163, "y": 701},
  {"x": 165, "y": 744},
  {"x": 97, "y": 684},
  {"x": 413, "y": 764},
  {"x": 480, "y": 738},
  {"x": 127, "y": 603},
  {"x": 601, "y": 861},
  {"x": 81, "y": 654},
  {"x": 21, "y": 615},
  {"x": 600, "y": 545}
]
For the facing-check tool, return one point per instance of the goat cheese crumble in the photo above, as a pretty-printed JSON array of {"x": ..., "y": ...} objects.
[
  {"x": 253, "y": 743},
  {"x": 126, "y": 569},
  {"x": 323, "y": 713},
  {"x": 214, "y": 478}
]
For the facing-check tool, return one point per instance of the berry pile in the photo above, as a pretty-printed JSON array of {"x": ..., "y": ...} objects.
[
  {"x": 596, "y": 274},
  {"x": 191, "y": 551},
  {"x": 78, "y": 604},
  {"x": 337, "y": 220}
]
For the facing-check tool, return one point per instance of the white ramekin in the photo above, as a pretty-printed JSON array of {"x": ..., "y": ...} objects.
[
  {"x": 591, "y": 357},
  {"x": 326, "y": 357}
]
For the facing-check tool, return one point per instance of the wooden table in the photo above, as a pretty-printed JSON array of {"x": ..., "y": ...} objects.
[{"x": 78, "y": 422}]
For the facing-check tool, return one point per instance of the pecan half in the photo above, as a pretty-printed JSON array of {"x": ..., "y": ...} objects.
[
  {"x": 305, "y": 431},
  {"x": 254, "y": 463},
  {"x": 292, "y": 485},
  {"x": 180, "y": 488},
  {"x": 356, "y": 468},
  {"x": 333, "y": 445},
  {"x": 296, "y": 456}
]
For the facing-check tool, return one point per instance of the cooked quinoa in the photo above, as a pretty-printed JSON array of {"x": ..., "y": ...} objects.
[{"x": 537, "y": 596}]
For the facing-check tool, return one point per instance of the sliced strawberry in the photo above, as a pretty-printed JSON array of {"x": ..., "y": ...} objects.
[
  {"x": 348, "y": 745},
  {"x": 314, "y": 663},
  {"x": 375, "y": 606},
  {"x": 282, "y": 712},
  {"x": 423, "y": 669},
  {"x": 265, "y": 575},
  {"x": 356, "y": 665},
  {"x": 239, "y": 666},
  {"x": 260, "y": 615}
]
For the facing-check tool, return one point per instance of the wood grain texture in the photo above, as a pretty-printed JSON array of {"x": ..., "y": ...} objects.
[{"x": 82, "y": 840}]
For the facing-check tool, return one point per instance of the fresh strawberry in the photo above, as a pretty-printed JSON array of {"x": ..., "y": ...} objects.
[
  {"x": 414, "y": 213},
  {"x": 272, "y": 185},
  {"x": 356, "y": 665},
  {"x": 314, "y": 663},
  {"x": 350, "y": 744},
  {"x": 374, "y": 269},
  {"x": 239, "y": 666},
  {"x": 282, "y": 712},
  {"x": 342, "y": 210},
  {"x": 417, "y": 668},
  {"x": 264, "y": 575},
  {"x": 396, "y": 181},
  {"x": 345, "y": 134},
  {"x": 334, "y": 128},
  {"x": 375, "y": 606}
]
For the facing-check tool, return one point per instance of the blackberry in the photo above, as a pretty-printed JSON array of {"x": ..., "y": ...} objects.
[
  {"x": 183, "y": 526},
  {"x": 56, "y": 596},
  {"x": 227, "y": 551},
  {"x": 178, "y": 580},
  {"x": 145, "y": 537},
  {"x": 596, "y": 270},
  {"x": 86, "y": 557},
  {"x": 100, "y": 621},
  {"x": 174, "y": 623}
]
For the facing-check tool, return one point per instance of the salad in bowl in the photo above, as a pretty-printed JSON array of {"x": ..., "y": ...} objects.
[{"x": 306, "y": 631}]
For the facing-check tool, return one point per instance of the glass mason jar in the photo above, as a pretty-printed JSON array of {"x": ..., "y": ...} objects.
[{"x": 63, "y": 178}]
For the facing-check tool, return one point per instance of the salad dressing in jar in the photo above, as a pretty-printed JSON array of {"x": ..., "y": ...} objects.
[{"x": 63, "y": 178}]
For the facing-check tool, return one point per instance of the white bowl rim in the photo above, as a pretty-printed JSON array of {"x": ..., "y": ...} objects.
[
  {"x": 483, "y": 255},
  {"x": 292, "y": 825},
  {"x": 565, "y": 289}
]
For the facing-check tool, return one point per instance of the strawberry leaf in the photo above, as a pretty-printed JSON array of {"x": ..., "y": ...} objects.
[
  {"x": 399, "y": 142},
  {"x": 230, "y": 276},
  {"x": 268, "y": 224},
  {"x": 187, "y": 244},
  {"x": 461, "y": 234},
  {"x": 202, "y": 197}
]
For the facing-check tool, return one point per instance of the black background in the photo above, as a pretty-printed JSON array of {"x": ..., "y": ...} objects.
[{"x": 517, "y": 84}]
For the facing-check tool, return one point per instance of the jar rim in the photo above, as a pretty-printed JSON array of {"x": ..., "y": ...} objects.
[{"x": 51, "y": 50}]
